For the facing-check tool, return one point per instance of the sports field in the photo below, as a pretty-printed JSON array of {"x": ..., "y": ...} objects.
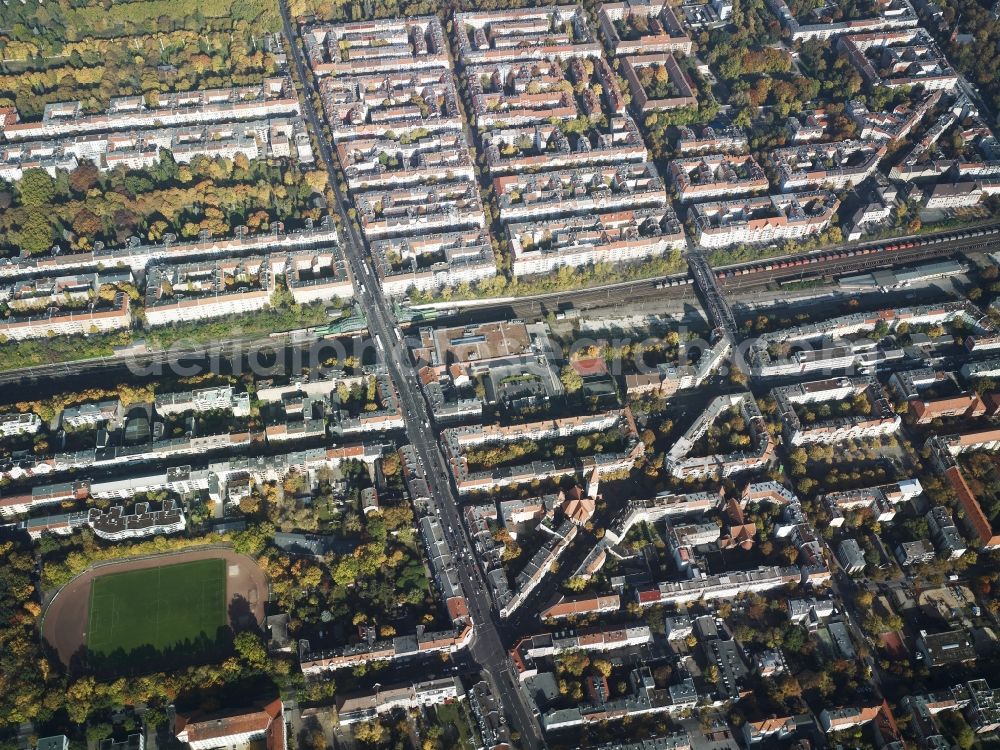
[{"x": 157, "y": 607}]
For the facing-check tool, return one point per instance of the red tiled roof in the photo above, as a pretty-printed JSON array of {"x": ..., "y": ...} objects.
[
  {"x": 588, "y": 367},
  {"x": 652, "y": 595},
  {"x": 983, "y": 436},
  {"x": 457, "y": 608},
  {"x": 886, "y": 723},
  {"x": 945, "y": 407},
  {"x": 973, "y": 511},
  {"x": 893, "y": 644},
  {"x": 579, "y": 510},
  {"x": 15, "y": 500},
  {"x": 584, "y": 605},
  {"x": 769, "y": 726},
  {"x": 266, "y": 720}
]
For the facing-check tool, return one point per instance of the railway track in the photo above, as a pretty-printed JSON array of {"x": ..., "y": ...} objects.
[
  {"x": 857, "y": 258},
  {"x": 854, "y": 258}
]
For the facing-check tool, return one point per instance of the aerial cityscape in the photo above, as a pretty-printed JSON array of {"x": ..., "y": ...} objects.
[{"x": 479, "y": 375}]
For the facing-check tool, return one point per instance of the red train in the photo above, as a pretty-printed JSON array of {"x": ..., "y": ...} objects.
[{"x": 869, "y": 249}]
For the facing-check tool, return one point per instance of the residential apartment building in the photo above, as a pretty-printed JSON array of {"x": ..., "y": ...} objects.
[
  {"x": 405, "y": 158},
  {"x": 319, "y": 275},
  {"x": 437, "y": 207},
  {"x": 202, "y": 400},
  {"x": 708, "y": 588},
  {"x": 949, "y": 196},
  {"x": 840, "y": 719},
  {"x": 880, "y": 501},
  {"x": 138, "y": 256},
  {"x": 586, "y": 189},
  {"x": 222, "y": 479},
  {"x": 443, "y": 565},
  {"x": 925, "y": 160},
  {"x": 19, "y": 423},
  {"x": 663, "y": 30},
  {"x": 272, "y": 97},
  {"x": 668, "y": 379},
  {"x": 367, "y": 706},
  {"x": 914, "y": 553},
  {"x": 388, "y": 415},
  {"x": 967, "y": 405},
  {"x": 90, "y": 415},
  {"x": 595, "y": 638},
  {"x": 717, "y": 175},
  {"x": 892, "y": 14},
  {"x": 549, "y": 32},
  {"x": 808, "y": 126},
  {"x": 987, "y": 368},
  {"x": 378, "y": 46},
  {"x": 943, "y": 451},
  {"x": 682, "y": 465},
  {"x": 427, "y": 262},
  {"x": 880, "y": 419},
  {"x": 834, "y": 165},
  {"x": 777, "y": 729},
  {"x": 410, "y": 104},
  {"x": 540, "y": 564},
  {"x": 894, "y": 124},
  {"x": 77, "y": 290},
  {"x": 946, "y": 537},
  {"x": 512, "y": 149},
  {"x": 707, "y": 139},
  {"x": 140, "y": 149},
  {"x": 909, "y": 384},
  {"x": 644, "y": 699},
  {"x": 115, "y": 524},
  {"x": 193, "y": 291},
  {"x": 54, "y": 321},
  {"x": 903, "y": 57},
  {"x": 39, "y": 497},
  {"x": 519, "y": 94},
  {"x": 682, "y": 87},
  {"x": 574, "y": 607},
  {"x": 623, "y": 236},
  {"x": 831, "y": 332},
  {"x": 851, "y": 557},
  {"x": 773, "y": 218},
  {"x": 398, "y": 648},
  {"x": 456, "y": 440}
]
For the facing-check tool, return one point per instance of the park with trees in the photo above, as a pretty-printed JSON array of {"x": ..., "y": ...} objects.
[{"x": 204, "y": 198}]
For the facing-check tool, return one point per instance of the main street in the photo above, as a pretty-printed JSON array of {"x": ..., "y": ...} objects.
[{"x": 487, "y": 647}]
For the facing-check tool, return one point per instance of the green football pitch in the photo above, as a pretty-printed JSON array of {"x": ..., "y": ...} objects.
[{"x": 158, "y": 607}]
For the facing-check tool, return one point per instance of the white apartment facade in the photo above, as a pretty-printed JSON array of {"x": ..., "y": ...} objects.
[
  {"x": 272, "y": 97},
  {"x": 69, "y": 322},
  {"x": 765, "y": 219}
]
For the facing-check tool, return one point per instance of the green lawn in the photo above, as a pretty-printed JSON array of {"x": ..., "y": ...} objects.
[
  {"x": 453, "y": 716},
  {"x": 157, "y": 607}
]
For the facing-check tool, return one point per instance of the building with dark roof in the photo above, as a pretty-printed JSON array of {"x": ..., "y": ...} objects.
[{"x": 950, "y": 647}]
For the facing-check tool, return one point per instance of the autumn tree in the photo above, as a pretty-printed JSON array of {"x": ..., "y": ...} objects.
[
  {"x": 369, "y": 733},
  {"x": 251, "y": 651},
  {"x": 36, "y": 188},
  {"x": 85, "y": 223},
  {"x": 84, "y": 177},
  {"x": 35, "y": 234},
  {"x": 570, "y": 379}
]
